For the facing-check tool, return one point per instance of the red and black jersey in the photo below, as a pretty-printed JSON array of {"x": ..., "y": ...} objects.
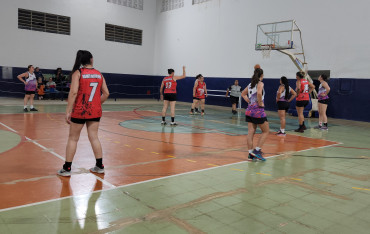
[
  {"x": 88, "y": 103},
  {"x": 169, "y": 85},
  {"x": 303, "y": 91},
  {"x": 200, "y": 90}
]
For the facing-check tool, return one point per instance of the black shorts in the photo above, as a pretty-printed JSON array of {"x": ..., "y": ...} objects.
[
  {"x": 255, "y": 120},
  {"x": 324, "y": 101},
  {"x": 195, "y": 98},
  {"x": 283, "y": 105},
  {"x": 234, "y": 100},
  {"x": 301, "y": 103},
  {"x": 83, "y": 121},
  {"x": 29, "y": 92},
  {"x": 170, "y": 97}
]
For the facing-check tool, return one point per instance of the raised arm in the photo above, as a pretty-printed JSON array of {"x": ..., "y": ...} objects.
[
  {"x": 183, "y": 74},
  {"x": 105, "y": 92},
  {"x": 72, "y": 94}
]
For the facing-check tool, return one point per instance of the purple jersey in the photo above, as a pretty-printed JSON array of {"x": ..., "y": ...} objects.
[
  {"x": 31, "y": 82},
  {"x": 322, "y": 90},
  {"x": 253, "y": 110}
]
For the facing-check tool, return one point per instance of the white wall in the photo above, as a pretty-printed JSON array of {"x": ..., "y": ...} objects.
[
  {"x": 20, "y": 48},
  {"x": 217, "y": 38}
]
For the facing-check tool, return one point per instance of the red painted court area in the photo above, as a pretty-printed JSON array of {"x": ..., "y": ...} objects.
[{"x": 130, "y": 156}]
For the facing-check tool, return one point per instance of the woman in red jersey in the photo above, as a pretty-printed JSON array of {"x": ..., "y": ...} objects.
[
  {"x": 199, "y": 94},
  {"x": 168, "y": 94},
  {"x": 303, "y": 89},
  {"x": 87, "y": 93}
]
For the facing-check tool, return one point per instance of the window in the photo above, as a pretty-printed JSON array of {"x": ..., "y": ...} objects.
[
  {"x": 168, "y": 5},
  {"x": 200, "y": 1},
  {"x": 44, "y": 22},
  {"x": 123, "y": 34},
  {"x": 137, "y": 4}
]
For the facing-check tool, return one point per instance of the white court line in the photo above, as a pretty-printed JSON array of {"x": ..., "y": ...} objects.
[
  {"x": 57, "y": 155},
  {"x": 160, "y": 178}
]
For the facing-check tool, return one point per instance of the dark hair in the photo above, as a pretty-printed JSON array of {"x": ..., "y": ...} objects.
[
  {"x": 83, "y": 57},
  {"x": 300, "y": 74},
  {"x": 170, "y": 71},
  {"x": 324, "y": 77},
  {"x": 29, "y": 66},
  {"x": 198, "y": 76},
  {"x": 258, "y": 72},
  {"x": 285, "y": 82}
]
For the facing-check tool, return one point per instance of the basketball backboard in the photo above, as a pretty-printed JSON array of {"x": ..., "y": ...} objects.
[{"x": 275, "y": 36}]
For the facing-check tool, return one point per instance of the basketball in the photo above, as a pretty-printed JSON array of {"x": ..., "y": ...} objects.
[{"x": 256, "y": 66}]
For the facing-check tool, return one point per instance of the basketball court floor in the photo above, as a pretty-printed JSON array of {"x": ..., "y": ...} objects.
[{"x": 193, "y": 178}]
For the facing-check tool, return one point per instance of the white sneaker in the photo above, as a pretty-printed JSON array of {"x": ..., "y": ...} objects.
[
  {"x": 173, "y": 124},
  {"x": 163, "y": 123},
  {"x": 63, "y": 172},
  {"x": 97, "y": 169}
]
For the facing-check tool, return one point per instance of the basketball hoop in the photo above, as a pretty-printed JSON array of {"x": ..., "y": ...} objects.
[{"x": 266, "y": 50}]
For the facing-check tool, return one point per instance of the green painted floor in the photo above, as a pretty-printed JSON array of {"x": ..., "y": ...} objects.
[{"x": 324, "y": 190}]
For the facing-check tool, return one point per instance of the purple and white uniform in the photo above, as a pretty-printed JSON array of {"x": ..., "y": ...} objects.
[
  {"x": 253, "y": 110},
  {"x": 321, "y": 91},
  {"x": 282, "y": 95},
  {"x": 31, "y": 85}
]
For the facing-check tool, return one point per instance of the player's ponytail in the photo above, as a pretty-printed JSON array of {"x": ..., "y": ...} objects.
[
  {"x": 256, "y": 77},
  {"x": 83, "y": 57},
  {"x": 285, "y": 82}
]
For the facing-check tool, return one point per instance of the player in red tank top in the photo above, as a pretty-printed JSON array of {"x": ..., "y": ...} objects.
[
  {"x": 199, "y": 94},
  {"x": 303, "y": 88},
  {"x": 168, "y": 94},
  {"x": 88, "y": 91}
]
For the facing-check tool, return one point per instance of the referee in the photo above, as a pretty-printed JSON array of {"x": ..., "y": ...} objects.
[{"x": 234, "y": 95}]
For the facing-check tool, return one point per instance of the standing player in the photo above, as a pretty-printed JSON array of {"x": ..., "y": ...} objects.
[
  {"x": 30, "y": 87},
  {"x": 303, "y": 89},
  {"x": 168, "y": 94},
  {"x": 199, "y": 94},
  {"x": 234, "y": 95},
  {"x": 87, "y": 93},
  {"x": 324, "y": 90},
  {"x": 283, "y": 101},
  {"x": 255, "y": 114}
]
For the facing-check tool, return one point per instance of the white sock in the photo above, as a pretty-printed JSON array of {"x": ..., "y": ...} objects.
[
  {"x": 25, "y": 107},
  {"x": 31, "y": 106},
  {"x": 320, "y": 123},
  {"x": 282, "y": 130},
  {"x": 258, "y": 148}
]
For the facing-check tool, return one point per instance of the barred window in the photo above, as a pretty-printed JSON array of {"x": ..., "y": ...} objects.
[
  {"x": 169, "y": 5},
  {"x": 137, "y": 4},
  {"x": 44, "y": 22},
  {"x": 123, "y": 34}
]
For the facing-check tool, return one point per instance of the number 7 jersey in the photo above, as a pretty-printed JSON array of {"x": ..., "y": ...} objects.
[{"x": 88, "y": 103}]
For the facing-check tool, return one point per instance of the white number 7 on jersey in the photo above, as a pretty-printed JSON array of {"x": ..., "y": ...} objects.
[{"x": 92, "y": 94}]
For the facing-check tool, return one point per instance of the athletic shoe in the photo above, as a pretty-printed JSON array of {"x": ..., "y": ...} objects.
[
  {"x": 173, "y": 124},
  {"x": 324, "y": 127},
  {"x": 235, "y": 112},
  {"x": 317, "y": 127},
  {"x": 97, "y": 169},
  {"x": 197, "y": 111},
  {"x": 25, "y": 110},
  {"x": 299, "y": 130},
  {"x": 202, "y": 114},
  {"x": 304, "y": 127},
  {"x": 63, "y": 172},
  {"x": 191, "y": 113},
  {"x": 280, "y": 133},
  {"x": 258, "y": 154},
  {"x": 250, "y": 156},
  {"x": 163, "y": 123},
  {"x": 33, "y": 109}
]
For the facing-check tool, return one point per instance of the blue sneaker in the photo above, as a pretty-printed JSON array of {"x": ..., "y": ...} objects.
[
  {"x": 258, "y": 154},
  {"x": 250, "y": 156}
]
